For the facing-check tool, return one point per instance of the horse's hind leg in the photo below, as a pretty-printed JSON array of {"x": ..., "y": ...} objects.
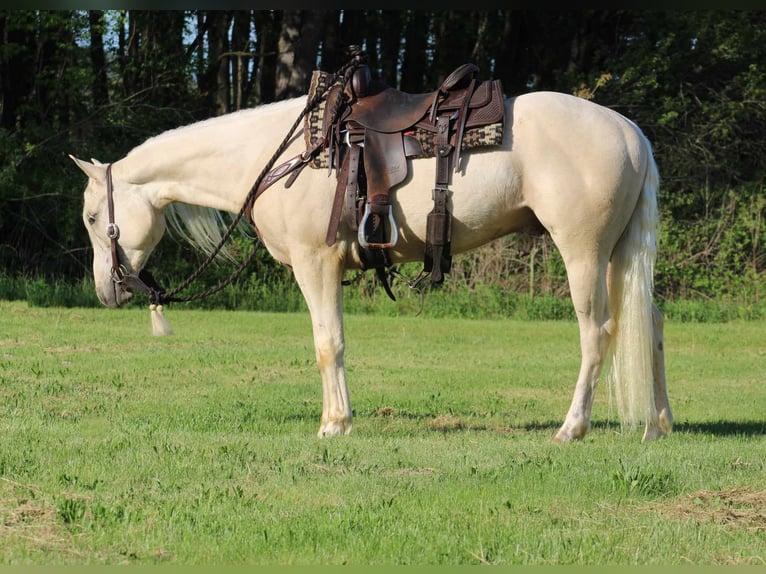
[
  {"x": 664, "y": 423},
  {"x": 587, "y": 283},
  {"x": 319, "y": 274}
]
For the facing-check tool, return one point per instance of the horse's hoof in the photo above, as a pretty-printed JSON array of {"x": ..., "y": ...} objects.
[
  {"x": 568, "y": 434},
  {"x": 334, "y": 428},
  {"x": 659, "y": 428},
  {"x": 666, "y": 421}
]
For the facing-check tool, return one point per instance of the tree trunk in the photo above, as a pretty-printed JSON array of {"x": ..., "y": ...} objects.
[
  {"x": 297, "y": 51},
  {"x": 16, "y": 66},
  {"x": 390, "y": 46},
  {"x": 288, "y": 37},
  {"x": 414, "y": 61},
  {"x": 332, "y": 51},
  {"x": 156, "y": 55},
  {"x": 130, "y": 76},
  {"x": 485, "y": 47},
  {"x": 216, "y": 87},
  {"x": 453, "y": 41},
  {"x": 98, "y": 58},
  {"x": 122, "y": 42},
  {"x": 240, "y": 59},
  {"x": 352, "y": 31},
  {"x": 312, "y": 22},
  {"x": 511, "y": 60},
  {"x": 267, "y": 26}
]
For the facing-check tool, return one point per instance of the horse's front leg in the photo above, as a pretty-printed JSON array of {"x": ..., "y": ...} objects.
[{"x": 319, "y": 274}]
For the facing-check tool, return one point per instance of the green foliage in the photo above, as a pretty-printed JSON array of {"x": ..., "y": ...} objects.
[
  {"x": 720, "y": 255},
  {"x": 42, "y": 293},
  {"x": 366, "y": 297}
]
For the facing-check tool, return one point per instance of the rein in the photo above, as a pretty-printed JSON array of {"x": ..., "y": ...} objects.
[{"x": 145, "y": 283}]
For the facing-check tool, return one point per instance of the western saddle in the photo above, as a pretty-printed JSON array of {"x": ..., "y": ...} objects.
[{"x": 367, "y": 131}]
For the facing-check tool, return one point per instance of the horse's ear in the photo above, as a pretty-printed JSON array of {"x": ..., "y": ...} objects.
[{"x": 95, "y": 170}]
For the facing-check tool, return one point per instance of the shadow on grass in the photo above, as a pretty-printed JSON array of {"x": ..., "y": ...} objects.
[
  {"x": 441, "y": 422},
  {"x": 717, "y": 428},
  {"x": 723, "y": 428}
]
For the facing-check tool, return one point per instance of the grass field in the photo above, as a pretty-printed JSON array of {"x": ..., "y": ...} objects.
[{"x": 200, "y": 448}]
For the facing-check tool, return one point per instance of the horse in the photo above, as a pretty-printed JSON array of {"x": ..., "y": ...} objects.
[{"x": 567, "y": 166}]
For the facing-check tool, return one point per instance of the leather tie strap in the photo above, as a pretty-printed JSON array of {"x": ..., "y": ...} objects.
[{"x": 112, "y": 231}]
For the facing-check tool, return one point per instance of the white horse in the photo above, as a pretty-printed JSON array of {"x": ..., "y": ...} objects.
[{"x": 581, "y": 171}]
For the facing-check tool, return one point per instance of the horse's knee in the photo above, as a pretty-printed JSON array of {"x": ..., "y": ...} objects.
[{"x": 329, "y": 349}]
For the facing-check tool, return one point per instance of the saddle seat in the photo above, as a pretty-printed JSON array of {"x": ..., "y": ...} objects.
[
  {"x": 388, "y": 110},
  {"x": 381, "y": 108}
]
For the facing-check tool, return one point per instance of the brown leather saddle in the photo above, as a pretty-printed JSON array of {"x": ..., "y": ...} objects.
[{"x": 369, "y": 131}]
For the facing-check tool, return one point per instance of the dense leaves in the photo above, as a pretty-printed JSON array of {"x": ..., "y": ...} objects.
[{"x": 97, "y": 83}]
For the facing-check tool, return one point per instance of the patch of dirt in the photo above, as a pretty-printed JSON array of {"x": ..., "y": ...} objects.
[
  {"x": 736, "y": 507},
  {"x": 26, "y": 521},
  {"x": 446, "y": 423}
]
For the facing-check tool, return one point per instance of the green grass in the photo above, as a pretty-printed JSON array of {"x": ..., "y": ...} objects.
[{"x": 200, "y": 448}]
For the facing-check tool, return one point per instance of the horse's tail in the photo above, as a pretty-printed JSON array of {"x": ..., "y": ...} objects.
[{"x": 632, "y": 284}]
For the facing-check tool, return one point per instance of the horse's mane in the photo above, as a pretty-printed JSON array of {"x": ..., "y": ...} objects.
[{"x": 203, "y": 227}]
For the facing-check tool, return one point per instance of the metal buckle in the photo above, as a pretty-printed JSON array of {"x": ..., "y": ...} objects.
[
  {"x": 438, "y": 188},
  {"x": 112, "y": 231},
  {"x": 118, "y": 276}
]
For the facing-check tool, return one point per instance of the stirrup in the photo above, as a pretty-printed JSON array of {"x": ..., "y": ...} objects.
[{"x": 361, "y": 235}]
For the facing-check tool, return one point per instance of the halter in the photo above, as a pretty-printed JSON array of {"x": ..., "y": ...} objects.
[{"x": 121, "y": 277}]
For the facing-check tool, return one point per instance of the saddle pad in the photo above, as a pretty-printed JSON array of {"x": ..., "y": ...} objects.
[
  {"x": 312, "y": 122},
  {"x": 479, "y": 136}
]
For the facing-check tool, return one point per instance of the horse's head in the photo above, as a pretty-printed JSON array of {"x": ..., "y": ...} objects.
[{"x": 139, "y": 225}]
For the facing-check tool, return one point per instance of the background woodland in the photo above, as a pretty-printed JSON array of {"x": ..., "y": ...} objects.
[{"x": 98, "y": 83}]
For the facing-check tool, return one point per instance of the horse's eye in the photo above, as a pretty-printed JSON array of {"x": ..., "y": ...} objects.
[{"x": 91, "y": 218}]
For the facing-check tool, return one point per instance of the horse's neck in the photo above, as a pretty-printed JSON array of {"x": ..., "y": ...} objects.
[{"x": 212, "y": 163}]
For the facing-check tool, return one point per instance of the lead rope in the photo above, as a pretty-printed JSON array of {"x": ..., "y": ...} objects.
[{"x": 160, "y": 325}]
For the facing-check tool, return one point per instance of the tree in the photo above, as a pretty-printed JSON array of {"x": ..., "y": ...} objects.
[
  {"x": 215, "y": 80},
  {"x": 414, "y": 61},
  {"x": 297, "y": 49},
  {"x": 99, "y": 87},
  {"x": 17, "y": 64}
]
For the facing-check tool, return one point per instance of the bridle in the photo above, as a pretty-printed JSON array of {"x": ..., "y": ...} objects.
[
  {"x": 121, "y": 277},
  {"x": 144, "y": 282}
]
